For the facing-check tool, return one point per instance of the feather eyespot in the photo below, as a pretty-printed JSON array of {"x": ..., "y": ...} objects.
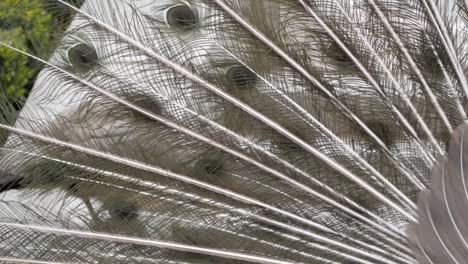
[
  {"x": 382, "y": 131},
  {"x": 241, "y": 76},
  {"x": 82, "y": 55},
  {"x": 210, "y": 166},
  {"x": 180, "y": 16},
  {"x": 337, "y": 55},
  {"x": 146, "y": 102},
  {"x": 125, "y": 212}
]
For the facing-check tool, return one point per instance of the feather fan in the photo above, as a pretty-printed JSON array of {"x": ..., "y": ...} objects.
[{"x": 241, "y": 131}]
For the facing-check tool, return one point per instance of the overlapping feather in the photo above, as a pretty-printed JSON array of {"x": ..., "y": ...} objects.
[
  {"x": 277, "y": 131},
  {"x": 440, "y": 235}
]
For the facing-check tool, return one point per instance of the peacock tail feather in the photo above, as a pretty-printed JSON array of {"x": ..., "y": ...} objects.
[{"x": 241, "y": 131}]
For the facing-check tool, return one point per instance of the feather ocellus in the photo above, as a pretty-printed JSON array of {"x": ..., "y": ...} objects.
[{"x": 216, "y": 131}]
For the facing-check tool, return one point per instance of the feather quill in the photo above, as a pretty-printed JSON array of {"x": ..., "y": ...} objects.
[
  {"x": 440, "y": 234},
  {"x": 226, "y": 131}
]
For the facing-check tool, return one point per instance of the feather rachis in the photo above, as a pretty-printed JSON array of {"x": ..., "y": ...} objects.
[
  {"x": 270, "y": 118},
  {"x": 361, "y": 182}
]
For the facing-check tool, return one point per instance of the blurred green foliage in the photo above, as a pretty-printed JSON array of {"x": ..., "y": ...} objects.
[{"x": 26, "y": 25}]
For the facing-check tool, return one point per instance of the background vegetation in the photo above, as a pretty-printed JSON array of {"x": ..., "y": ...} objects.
[{"x": 29, "y": 25}]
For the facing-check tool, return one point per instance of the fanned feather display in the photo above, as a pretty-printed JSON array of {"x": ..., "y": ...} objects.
[{"x": 240, "y": 131}]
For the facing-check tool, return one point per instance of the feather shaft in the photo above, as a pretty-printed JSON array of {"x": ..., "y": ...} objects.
[
  {"x": 144, "y": 183},
  {"x": 447, "y": 204},
  {"x": 306, "y": 74},
  {"x": 204, "y": 185},
  {"x": 255, "y": 114},
  {"x": 436, "y": 232},
  {"x": 375, "y": 84},
  {"x": 312, "y": 150},
  {"x": 438, "y": 235},
  {"x": 413, "y": 65},
  {"x": 371, "y": 79},
  {"x": 387, "y": 228},
  {"x": 437, "y": 20},
  {"x": 460, "y": 108},
  {"x": 29, "y": 261},
  {"x": 153, "y": 243},
  {"x": 260, "y": 117}
]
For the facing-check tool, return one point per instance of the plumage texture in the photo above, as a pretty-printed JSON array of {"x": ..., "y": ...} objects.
[
  {"x": 234, "y": 131},
  {"x": 441, "y": 234}
]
